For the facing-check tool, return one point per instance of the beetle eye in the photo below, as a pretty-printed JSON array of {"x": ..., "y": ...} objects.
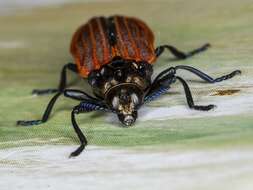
[
  {"x": 142, "y": 69},
  {"x": 94, "y": 78},
  {"x": 106, "y": 72}
]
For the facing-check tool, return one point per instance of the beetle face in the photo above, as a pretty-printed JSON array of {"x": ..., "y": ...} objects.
[
  {"x": 125, "y": 99},
  {"x": 126, "y": 103}
]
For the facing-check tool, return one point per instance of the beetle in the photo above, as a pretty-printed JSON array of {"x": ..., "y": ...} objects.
[{"x": 116, "y": 54}]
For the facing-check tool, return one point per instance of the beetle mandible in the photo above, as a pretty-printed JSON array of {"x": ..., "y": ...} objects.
[{"x": 116, "y": 55}]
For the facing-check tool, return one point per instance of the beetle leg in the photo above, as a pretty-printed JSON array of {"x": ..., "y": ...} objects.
[
  {"x": 69, "y": 93},
  {"x": 79, "y": 95},
  {"x": 206, "y": 77},
  {"x": 202, "y": 75},
  {"x": 45, "y": 115},
  {"x": 62, "y": 85},
  {"x": 79, "y": 133},
  {"x": 163, "y": 89},
  {"x": 83, "y": 107},
  {"x": 155, "y": 94},
  {"x": 179, "y": 54},
  {"x": 190, "y": 99},
  {"x": 165, "y": 76},
  {"x": 159, "y": 87}
]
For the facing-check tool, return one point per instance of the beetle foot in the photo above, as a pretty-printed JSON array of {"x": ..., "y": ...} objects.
[
  {"x": 77, "y": 151},
  {"x": 41, "y": 92},
  {"x": 204, "y": 108},
  {"x": 29, "y": 123}
]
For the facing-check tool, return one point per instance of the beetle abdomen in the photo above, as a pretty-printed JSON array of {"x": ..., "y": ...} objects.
[{"x": 101, "y": 39}]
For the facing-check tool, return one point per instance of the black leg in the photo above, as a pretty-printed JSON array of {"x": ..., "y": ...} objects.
[
  {"x": 74, "y": 94},
  {"x": 45, "y": 115},
  {"x": 165, "y": 78},
  {"x": 160, "y": 85},
  {"x": 162, "y": 89},
  {"x": 83, "y": 107},
  {"x": 62, "y": 85},
  {"x": 172, "y": 71},
  {"x": 79, "y": 133},
  {"x": 206, "y": 77},
  {"x": 190, "y": 99},
  {"x": 179, "y": 54},
  {"x": 156, "y": 93},
  {"x": 80, "y": 95}
]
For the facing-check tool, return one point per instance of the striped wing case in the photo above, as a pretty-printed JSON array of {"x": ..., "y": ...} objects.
[{"x": 101, "y": 39}]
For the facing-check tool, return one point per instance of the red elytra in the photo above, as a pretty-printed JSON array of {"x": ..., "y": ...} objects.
[{"x": 92, "y": 46}]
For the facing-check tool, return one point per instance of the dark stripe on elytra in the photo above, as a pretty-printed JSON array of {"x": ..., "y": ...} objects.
[
  {"x": 89, "y": 51},
  {"x": 81, "y": 48},
  {"x": 143, "y": 43},
  {"x": 126, "y": 39},
  {"x": 135, "y": 31},
  {"x": 131, "y": 37},
  {"x": 120, "y": 42},
  {"x": 98, "y": 39},
  {"x": 85, "y": 46},
  {"x": 103, "y": 21},
  {"x": 112, "y": 35}
]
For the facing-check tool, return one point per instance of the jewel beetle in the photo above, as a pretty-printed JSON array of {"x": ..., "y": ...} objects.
[{"x": 116, "y": 55}]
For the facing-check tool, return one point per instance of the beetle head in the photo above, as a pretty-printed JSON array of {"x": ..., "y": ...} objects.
[{"x": 125, "y": 99}]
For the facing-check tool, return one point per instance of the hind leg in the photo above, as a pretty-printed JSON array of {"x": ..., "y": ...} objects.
[
  {"x": 63, "y": 79},
  {"x": 180, "y": 54}
]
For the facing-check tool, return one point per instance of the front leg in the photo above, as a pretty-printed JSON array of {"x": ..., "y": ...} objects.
[
  {"x": 162, "y": 86},
  {"x": 83, "y": 107},
  {"x": 63, "y": 81},
  {"x": 81, "y": 136},
  {"x": 190, "y": 99},
  {"x": 159, "y": 87}
]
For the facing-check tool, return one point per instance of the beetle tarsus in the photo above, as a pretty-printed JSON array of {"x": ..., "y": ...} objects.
[
  {"x": 198, "y": 50},
  {"x": 29, "y": 123},
  {"x": 40, "y": 92},
  {"x": 229, "y": 76},
  {"x": 204, "y": 108},
  {"x": 78, "y": 151}
]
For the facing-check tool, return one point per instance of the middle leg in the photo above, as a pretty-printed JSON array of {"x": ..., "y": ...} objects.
[
  {"x": 84, "y": 107},
  {"x": 63, "y": 81},
  {"x": 69, "y": 93},
  {"x": 200, "y": 74}
]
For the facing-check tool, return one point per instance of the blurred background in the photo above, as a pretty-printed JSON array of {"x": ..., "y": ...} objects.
[{"x": 170, "y": 145}]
